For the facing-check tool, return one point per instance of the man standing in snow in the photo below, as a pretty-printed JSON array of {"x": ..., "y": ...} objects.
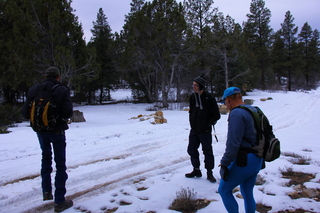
[
  {"x": 61, "y": 96},
  {"x": 239, "y": 166},
  {"x": 204, "y": 113}
]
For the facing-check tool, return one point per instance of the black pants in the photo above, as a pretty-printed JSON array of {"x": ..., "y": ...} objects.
[
  {"x": 205, "y": 139},
  {"x": 57, "y": 140}
]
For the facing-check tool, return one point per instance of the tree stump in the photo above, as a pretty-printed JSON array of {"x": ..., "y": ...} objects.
[{"x": 77, "y": 116}]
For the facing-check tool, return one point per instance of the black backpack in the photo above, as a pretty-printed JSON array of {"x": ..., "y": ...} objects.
[
  {"x": 268, "y": 145},
  {"x": 43, "y": 110}
]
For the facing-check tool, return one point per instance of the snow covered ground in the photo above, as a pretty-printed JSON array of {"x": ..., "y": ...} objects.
[{"x": 115, "y": 161}]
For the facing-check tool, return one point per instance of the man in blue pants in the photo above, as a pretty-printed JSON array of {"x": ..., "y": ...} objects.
[
  {"x": 239, "y": 166},
  {"x": 56, "y": 137}
]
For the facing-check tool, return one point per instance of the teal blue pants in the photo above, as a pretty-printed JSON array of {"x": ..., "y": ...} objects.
[{"x": 246, "y": 178}]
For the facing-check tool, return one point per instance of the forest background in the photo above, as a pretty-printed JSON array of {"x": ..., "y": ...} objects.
[{"x": 163, "y": 45}]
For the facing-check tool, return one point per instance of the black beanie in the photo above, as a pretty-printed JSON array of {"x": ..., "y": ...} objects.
[
  {"x": 52, "y": 72},
  {"x": 201, "y": 81}
]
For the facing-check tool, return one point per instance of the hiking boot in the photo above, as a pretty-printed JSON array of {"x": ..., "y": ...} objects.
[
  {"x": 210, "y": 177},
  {"x": 63, "y": 206},
  {"x": 47, "y": 196},
  {"x": 194, "y": 173}
]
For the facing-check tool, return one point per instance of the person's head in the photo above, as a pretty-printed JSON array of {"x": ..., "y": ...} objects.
[
  {"x": 232, "y": 97},
  {"x": 52, "y": 72},
  {"x": 199, "y": 83}
]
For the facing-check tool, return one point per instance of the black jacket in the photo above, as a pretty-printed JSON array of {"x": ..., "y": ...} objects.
[
  {"x": 201, "y": 120},
  {"x": 61, "y": 96}
]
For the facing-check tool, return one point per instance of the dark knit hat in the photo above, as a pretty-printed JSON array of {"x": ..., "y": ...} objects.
[
  {"x": 201, "y": 80},
  {"x": 52, "y": 72}
]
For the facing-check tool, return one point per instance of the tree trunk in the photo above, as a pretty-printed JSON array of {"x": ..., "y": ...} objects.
[{"x": 226, "y": 71}]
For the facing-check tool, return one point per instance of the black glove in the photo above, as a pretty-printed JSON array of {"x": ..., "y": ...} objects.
[{"x": 224, "y": 172}]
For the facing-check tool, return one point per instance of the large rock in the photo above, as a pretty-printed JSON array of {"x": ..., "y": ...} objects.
[
  {"x": 78, "y": 116},
  {"x": 248, "y": 101}
]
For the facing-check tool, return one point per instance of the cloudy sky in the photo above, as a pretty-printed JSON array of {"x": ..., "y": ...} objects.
[{"x": 115, "y": 10}]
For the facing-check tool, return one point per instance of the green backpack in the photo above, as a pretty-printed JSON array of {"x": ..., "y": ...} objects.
[{"x": 268, "y": 145}]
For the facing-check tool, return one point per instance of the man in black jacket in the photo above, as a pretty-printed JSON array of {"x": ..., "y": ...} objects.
[
  {"x": 204, "y": 113},
  {"x": 56, "y": 137}
]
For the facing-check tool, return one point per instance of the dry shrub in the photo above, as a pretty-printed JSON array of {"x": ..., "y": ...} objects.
[
  {"x": 263, "y": 208},
  {"x": 301, "y": 160},
  {"x": 260, "y": 180},
  {"x": 306, "y": 150},
  {"x": 185, "y": 201},
  {"x": 296, "y": 177},
  {"x": 297, "y": 159},
  {"x": 9, "y": 114},
  {"x": 106, "y": 210},
  {"x": 291, "y": 154},
  {"x": 124, "y": 203},
  {"x": 296, "y": 211}
]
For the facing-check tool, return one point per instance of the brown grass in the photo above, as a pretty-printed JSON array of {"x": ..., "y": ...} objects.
[
  {"x": 297, "y": 158},
  {"x": 186, "y": 202},
  {"x": 296, "y": 177}
]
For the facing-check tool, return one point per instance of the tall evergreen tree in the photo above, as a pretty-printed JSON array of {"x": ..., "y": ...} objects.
[
  {"x": 132, "y": 58},
  {"x": 16, "y": 53},
  {"x": 167, "y": 48},
  {"x": 305, "y": 38},
  {"x": 288, "y": 33},
  {"x": 257, "y": 32},
  {"x": 45, "y": 33},
  {"x": 227, "y": 55},
  {"x": 315, "y": 55},
  {"x": 154, "y": 37},
  {"x": 200, "y": 16},
  {"x": 278, "y": 57},
  {"x": 102, "y": 42}
]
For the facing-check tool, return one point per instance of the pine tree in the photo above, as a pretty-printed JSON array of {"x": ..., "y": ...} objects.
[
  {"x": 154, "y": 37},
  {"x": 257, "y": 32},
  {"x": 288, "y": 33},
  {"x": 200, "y": 16},
  {"x": 315, "y": 53},
  {"x": 305, "y": 38},
  {"x": 102, "y": 42},
  {"x": 226, "y": 48},
  {"x": 44, "y": 33},
  {"x": 278, "y": 55},
  {"x": 16, "y": 55},
  {"x": 132, "y": 59}
]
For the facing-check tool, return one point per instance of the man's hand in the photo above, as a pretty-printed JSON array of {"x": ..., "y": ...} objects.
[{"x": 224, "y": 172}]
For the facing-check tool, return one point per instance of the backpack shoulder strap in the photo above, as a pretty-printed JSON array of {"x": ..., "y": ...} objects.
[
  {"x": 265, "y": 121},
  {"x": 256, "y": 115},
  {"x": 55, "y": 86},
  {"x": 256, "y": 119},
  {"x": 42, "y": 88}
]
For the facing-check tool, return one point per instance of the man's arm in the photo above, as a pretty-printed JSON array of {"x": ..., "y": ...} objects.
[
  {"x": 26, "y": 106},
  {"x": 215, "y": 113}
]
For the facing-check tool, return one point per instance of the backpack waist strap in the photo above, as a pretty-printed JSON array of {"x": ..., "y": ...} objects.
[{"x": 248, "y": 150}]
